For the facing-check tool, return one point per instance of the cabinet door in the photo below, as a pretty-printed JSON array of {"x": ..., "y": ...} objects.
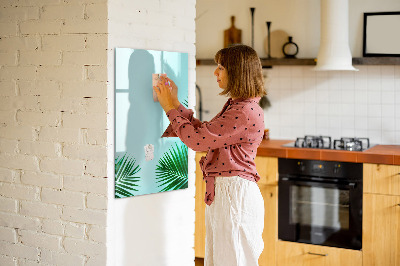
[
  {"x": 381, "y": 230},
  {"x": 267, "y": 168},
  {"x": 381, "y": 179},
  {"x": 270, "y": 233},
  {"x": 200, "y": 207},
  {"x": 297, "y": 254}
]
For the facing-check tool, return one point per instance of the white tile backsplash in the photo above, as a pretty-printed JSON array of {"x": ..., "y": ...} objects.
[{"x": 364, "y": 103}]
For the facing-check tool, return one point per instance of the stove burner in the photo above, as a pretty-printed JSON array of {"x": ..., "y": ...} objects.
[
  {"x": 351, "y": 144},
  {"x": 308, "y": 141},
  {"x": 324, "y": 142}
]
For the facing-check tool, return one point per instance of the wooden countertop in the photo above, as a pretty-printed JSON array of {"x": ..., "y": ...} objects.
[{"x": 379, "y": 154}]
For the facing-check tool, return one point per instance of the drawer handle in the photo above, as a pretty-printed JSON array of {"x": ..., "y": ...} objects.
[{"x": 318, "y": 254}]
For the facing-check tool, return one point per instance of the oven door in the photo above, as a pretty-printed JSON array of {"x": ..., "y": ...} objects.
[{"x": 321, "y": 212}]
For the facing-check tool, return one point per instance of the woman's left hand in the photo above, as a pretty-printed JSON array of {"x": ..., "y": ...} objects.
[{"x": 164, "y": 95}]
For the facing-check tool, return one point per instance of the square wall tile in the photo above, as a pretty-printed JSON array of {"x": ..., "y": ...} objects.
[
  {"x": 374, "y": 97},
  {"x": 297, "y": 83},
  {"x": 388, "y": 110},
  {"x": 388, "y": 124},
  {"x": 334, "y": 109},
  {"x": 296, "y": 71},
  {"x": 348, "y": 96},
  {"x": 348, "y": 123},
  {"x": 347, "y": 109},
  {"x": 374, "y": 124},
  {"x": 387, "y": 72},
  {"x": 335, "y": 122},
  {"x": 322, "y": 83},
  {"x": 348, "y": 132},
  {"x": 322, "y": 109},
  {"x": 361, "y": 110},
  {"x": 374, "y": 83},
  {"x": 388, "y": 84},
  {"x": 374, "y": 110},
  {"x": 361, "y": 97},
  {"x": 388, "y": 97},
  {"x": 389, "y": 137},
  {"x": 310, "y": 108},
  {"x": 375, "y": 136},
  {"x": 322, "y": 121},
  {"x": 322, "y": 95},
  {"x": 361, "y": 123},
  {"x": 310, "y": 95},
  {"x": 335, "y": 95}
]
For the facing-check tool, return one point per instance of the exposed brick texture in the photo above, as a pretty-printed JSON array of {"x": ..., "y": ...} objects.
[{"x": 53, "y": 55}]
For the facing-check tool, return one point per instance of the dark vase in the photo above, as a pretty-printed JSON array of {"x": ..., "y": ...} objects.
[{"x": 290, "y": 49}]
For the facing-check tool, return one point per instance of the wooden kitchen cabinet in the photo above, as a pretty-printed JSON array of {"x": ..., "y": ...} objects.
[
  {"x": 381, "y": 215},
  {"x": 298, "y": 254},
  {"x": 381, "y": 179},
  {"x": 200, "y": 207},
  {"x": 267, "y": 168},
  {"x": 270, "y": 233},
  {"x": 381, "y": 230}
]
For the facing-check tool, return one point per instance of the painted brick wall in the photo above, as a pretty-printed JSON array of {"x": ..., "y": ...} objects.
[
  {"x": 156, "y": 229},
  {"x": 53, "y": 153}
]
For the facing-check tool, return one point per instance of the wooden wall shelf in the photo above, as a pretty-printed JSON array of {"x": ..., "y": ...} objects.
[{"x": 312, "y": 61}]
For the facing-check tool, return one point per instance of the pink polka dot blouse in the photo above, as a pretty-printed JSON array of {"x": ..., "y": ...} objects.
[{"x": 231, "y": 139}]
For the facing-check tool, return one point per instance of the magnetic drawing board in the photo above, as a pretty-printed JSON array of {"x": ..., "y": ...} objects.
[{"x": 145, "y": 163}]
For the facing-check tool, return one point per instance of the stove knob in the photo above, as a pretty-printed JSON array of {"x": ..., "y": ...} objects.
[
  {"x": 336, "y": 169},
  {"x": 301, "y": 166}
]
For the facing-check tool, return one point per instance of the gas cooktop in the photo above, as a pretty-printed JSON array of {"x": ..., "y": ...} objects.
[{"x": 325, "y": 142}]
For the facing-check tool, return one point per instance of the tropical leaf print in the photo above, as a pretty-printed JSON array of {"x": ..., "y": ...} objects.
[
  {"x": 172, "y": 169},
  {"x": 185, "y": 103},
  {"x": 125, "y": 181}
]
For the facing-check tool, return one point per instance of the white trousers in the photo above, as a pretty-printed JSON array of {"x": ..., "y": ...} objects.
[{"x": 234, "y": 223}]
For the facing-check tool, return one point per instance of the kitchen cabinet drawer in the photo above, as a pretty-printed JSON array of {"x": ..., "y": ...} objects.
[
  {"x": 381, "y": 230},
  {"x": 298, "y": 254},
  {"x": 381, "y": 179},
  {"x": 267, "y": 168}
]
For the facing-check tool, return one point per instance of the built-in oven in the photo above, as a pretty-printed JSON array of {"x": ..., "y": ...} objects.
[{"x": 320, "y": 202}]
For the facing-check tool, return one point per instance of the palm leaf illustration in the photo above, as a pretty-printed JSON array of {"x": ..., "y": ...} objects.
[
  {"x": 185, "y": 103},
  {"x": 172, "y": 169},
  {"x": 125, "y": 181}
]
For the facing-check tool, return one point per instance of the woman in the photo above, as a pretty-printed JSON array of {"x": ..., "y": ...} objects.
[{"x": 235, "y": 207}]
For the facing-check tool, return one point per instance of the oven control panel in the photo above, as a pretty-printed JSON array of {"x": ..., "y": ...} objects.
[{"x": 330, "y": 169}]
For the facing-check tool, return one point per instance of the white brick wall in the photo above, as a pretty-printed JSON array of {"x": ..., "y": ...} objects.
[
  {"x": 55, "y": 138},
  {"x": 53, "y": 106}
]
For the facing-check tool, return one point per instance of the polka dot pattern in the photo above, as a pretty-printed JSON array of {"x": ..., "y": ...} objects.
[{"x": 231, "y": 139}]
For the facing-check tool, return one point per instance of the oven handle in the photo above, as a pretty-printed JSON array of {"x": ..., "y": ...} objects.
[{"x": 297, "y": 181}]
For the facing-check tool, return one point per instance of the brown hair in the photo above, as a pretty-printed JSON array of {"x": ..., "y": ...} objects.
[{"x": 245, "y": 78}]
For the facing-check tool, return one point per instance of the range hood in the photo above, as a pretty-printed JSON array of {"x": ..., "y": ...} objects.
[{"x": 334, "y": 51}]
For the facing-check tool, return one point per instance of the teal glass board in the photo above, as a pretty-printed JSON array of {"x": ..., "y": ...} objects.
[{"x": 145, "y": 163}]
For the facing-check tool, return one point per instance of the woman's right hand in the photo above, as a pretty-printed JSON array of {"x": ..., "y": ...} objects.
[{"x": 174, "y": 92}]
